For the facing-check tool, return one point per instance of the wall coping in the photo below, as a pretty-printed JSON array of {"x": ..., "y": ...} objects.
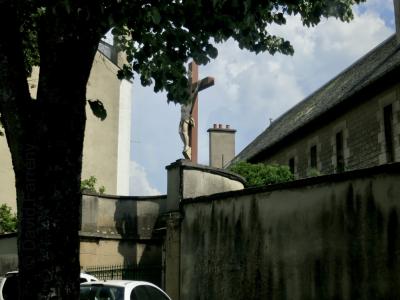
[
  {"x": 188, "y": 165},
  {"x": 391, "y": 168},
  {"x": 116, "y": 197},
  {"x": 118, "y": 237},
  {"x": 8, "y": 235}
]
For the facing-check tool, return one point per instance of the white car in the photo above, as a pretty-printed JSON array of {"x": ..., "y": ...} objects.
[
  {"x": 87, "y": 278},
  {"x": 121, "y": 290},
  {"x": 9, "y": 284}
]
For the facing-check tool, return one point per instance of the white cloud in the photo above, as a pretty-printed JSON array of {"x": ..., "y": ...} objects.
[{"x": 139, "y": 183}]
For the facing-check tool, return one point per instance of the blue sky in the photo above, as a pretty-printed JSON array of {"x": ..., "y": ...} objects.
[{"x": 250, "y": 89}]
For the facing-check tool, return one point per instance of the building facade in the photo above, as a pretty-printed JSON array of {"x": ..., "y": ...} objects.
[
  {"x": 106, "y": 151},
  {"x": 352, "y": 122}
]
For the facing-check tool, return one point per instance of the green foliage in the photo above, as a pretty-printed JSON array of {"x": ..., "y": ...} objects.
[
  {"x": 159, "y": 37},
  {"x": 166, "y": 35},
  {"x": 90, "y": 186},
  {"x": 1, "y": 128},
  {"x": 261, "y": 174},
  {"x": 313, "y": 173},
  {"x": 8, "y": 220}
]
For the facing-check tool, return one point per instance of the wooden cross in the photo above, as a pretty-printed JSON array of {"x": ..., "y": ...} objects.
[{"x": 196, "y": 86}]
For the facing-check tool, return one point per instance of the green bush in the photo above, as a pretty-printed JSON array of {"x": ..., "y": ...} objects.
[
  {"x": 90, "y": 185},
  {"x": 262, "y": 174},
  {"x": 8, "y": 220}
]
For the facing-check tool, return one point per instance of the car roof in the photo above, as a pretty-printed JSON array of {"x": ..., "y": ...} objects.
[{"x": 120, "y": 283}]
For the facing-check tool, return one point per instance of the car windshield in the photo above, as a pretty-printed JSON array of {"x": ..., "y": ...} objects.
[{"x": 101, "y": 292}]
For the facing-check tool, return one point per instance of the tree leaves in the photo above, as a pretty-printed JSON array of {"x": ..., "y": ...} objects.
[
  {"x": 98, "y": 109},
  {"x": 155, "y": 15},
  {"x": 262, "y": 174},
  {"x": 1, "y": 128},
  {"x": 8, "y": 220},
  {"x": 160, "y": 37}
]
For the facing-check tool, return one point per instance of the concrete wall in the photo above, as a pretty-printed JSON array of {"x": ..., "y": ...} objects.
[
  {"x": 133, "y": 217},
  {"x": 104, "y": 149},
  {"x": 364, "y": 142},
  {"x": 8, "y": 253},
  {"x": 121, "y": 230},
  {"x": 188, "y": 180},
  {"x": 333, "y": 237},
  {"x": 115, "y": 230}
]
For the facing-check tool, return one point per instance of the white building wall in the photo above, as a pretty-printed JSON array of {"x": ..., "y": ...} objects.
[{"x": 124, "y": 138}]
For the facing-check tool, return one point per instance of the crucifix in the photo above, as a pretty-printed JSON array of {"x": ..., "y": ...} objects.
[{"x": 190, "y": 111}]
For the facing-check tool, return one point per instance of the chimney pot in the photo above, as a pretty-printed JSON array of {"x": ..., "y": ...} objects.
[
  {"x": 215, "y": 125},
  {"x": 219, "y": 125},
  {"x": 228, "y": 126}
]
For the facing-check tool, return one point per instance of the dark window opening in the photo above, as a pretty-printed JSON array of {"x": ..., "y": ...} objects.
[
  {"x": 388, "y": 125},
  {"x": 291, "y": 165},
  {"x": 339, "y": 152},
  {"x": 313, "y": 157}
]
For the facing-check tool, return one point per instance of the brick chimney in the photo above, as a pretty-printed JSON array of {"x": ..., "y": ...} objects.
[
  {"x": 397, "y": 18},
  {"x": 222, "y": 145}
]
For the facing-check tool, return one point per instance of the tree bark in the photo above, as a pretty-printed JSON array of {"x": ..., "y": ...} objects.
[{"x": 45, "y": 137}]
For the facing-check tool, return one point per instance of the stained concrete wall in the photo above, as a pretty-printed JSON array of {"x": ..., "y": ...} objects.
[
  {"x": 121, "y": 230},
  {"x": 115, "y": 230},
  {"x": 188, "y": 180},
  {"x": 8, "y": 253},
  {"x": 334, "y": 237}
]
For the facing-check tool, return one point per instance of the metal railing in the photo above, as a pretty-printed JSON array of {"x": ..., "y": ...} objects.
[{"x": 151, "y": 273}]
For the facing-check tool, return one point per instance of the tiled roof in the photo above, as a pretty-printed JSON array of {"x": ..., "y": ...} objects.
[{"x": 367, "y": 70}]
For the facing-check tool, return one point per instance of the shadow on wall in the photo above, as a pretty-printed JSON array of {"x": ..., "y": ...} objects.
[
  {"x": 136, "y": 220},
  {"x": 331, "y": 240}
]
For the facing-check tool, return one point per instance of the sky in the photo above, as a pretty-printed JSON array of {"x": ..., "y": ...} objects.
[{"x": 250, "y": 89}]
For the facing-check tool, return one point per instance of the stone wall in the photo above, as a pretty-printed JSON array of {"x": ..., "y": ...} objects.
[
  {"x": 8, "y": 253},
  {"x": 333, "y": 237},
  {"x": 363, "y": 132},
  {"x": 121, "y": 230},
  {"x": 115, "y": 231}
]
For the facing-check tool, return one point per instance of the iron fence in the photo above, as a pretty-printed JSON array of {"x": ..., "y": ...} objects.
[{"x": 151, "y": 273}]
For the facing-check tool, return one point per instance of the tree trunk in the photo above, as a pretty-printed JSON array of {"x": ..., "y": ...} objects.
[{"x": 45, "y": 137}]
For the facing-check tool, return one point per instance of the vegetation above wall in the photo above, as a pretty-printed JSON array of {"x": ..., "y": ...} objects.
[
  {"x": 8, "y": 219},
  {"x": 90, "y": 186},
  {"x": 262, "y": 174}
]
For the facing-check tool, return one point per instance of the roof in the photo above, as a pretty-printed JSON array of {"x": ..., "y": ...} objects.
[
  {"x": 108, "y": 51},
  {"x": 373, "y": 66}
]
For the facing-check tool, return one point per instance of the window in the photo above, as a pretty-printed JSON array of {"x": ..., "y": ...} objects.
[
  {"x": 155, "y": 294},
  {"x": 139, "y": 293},
  {"x": 339, "y": 152},
  {"x": 388, "y": 126},
  {"x": 146, "y": 292},
  {"x": 291, "y": 165},
  {"x": 10, "y": 288},
  {"x": 313, "y": 157}
]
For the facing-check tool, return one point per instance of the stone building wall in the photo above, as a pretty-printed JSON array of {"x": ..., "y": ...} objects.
[
  {"x": 330, "y": 237},
  {"x": 363, "y": 132}
]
